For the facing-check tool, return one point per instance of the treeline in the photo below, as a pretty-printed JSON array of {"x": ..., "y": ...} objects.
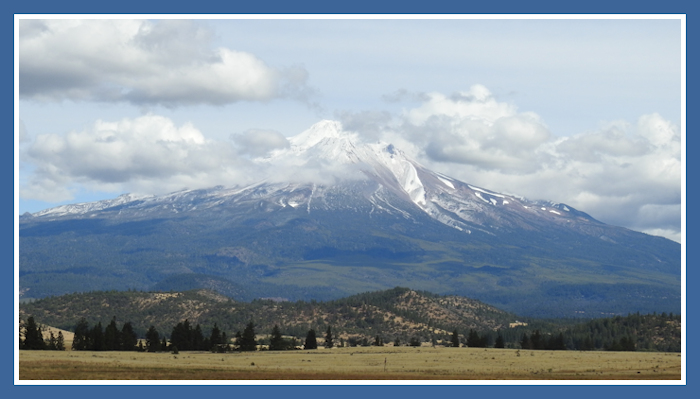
[
  {"x": 110, "y": 339},
  {"x": 31, "y": 337},
  {"x": 614, "y": 334},
  {"x": 182, "y": 337},
  {"x": 651, "y": 332}
]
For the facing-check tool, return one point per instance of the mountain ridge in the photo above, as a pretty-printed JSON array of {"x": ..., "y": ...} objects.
[{"x": 380, "y": 220}]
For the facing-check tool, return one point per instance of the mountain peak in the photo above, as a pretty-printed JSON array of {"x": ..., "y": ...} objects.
[
  {"x": 356, "y": 213},
  {"x": 319, "y": 132}
]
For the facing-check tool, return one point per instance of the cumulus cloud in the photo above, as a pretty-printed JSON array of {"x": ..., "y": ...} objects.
[
  {"x": 259, "y": 142},
  {"x": 369, "y": 124},
  {"x": 473, "y": 128},
  {"x": 149, "y": 154},
  {"x": 477, "y": 104},
  {"x": 623, "y": 173},
  {"x": 169, "y": 62}
]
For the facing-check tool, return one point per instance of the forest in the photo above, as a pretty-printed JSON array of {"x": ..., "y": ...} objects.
[{"x": 633, "y": 332}]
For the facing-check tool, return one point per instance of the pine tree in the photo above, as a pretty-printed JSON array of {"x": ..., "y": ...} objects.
[
  {"x": 215, "y": 336},
  {"x": 81, "y": 339},
  {"x": 198, "y": 339},
  {"x": 112, "y": 336},
  {"x": 536, "y": 340},
  {"x": 33, "y": 338},
  {"x": 248, "y": 342},
  {"x": 60, "y": 342},
  {"x": 499, "y": 341},
  {"x": 181, "y": 336},
  {"x": 473, "y": 340},
  {"x": 525, "y": 342},
  {"x": 329, "y": 338},
  {"x": 97, "y": 338},
  {"x": 276, "y": 340},
  {"x": 627, "y": 343},
  {"x": 187, "y": 338},
  {"x": 152, "y": 340},
  {"x": 310, "y": 342},
  {"x": 128, "y": 338},
  {"x": 52, "y": 342},
  {"x": 455, "y": 339},
  {"x": 557, "y": 343}
]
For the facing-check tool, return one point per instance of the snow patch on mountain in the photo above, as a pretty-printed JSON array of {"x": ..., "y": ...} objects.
[
  {"x": 447, "y": 182},
  {"x": 485, "y": 192},
  {"x": 85, "y": 207}
]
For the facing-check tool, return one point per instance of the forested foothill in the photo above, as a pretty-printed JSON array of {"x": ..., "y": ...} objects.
[{"x": 156, "y": 322}]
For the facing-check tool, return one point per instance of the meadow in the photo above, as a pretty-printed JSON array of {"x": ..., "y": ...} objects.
[{"x": 359, "y": 363}]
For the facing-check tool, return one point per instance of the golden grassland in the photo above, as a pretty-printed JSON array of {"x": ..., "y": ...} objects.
[{"x": 369, "y": 363}]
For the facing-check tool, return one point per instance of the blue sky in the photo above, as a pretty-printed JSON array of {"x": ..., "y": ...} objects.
[{"x": 581, "y": 111}]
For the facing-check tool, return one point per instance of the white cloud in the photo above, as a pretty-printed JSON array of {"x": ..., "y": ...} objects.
[
  {"x": 473, "y": 128},
  {"x": 476, "y": 104},
  {"x": 149, "y": 154},
  {"x": 168, "y": 62},
  {"x": 259, "y": 142},
  {"x": 369, "y": 124},
  {"x": 624, "y": 173}
]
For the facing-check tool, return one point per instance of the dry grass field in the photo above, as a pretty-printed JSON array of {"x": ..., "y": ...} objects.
[{"x": 371, "y": 363}]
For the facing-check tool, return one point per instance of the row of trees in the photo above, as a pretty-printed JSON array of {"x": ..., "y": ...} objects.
[
  {"x": 475, "y": 341},
  {"x": 182, "y": 337},
  {"x": 31, "y": 337},
  {"x": 538, "y": 341},
  {"x": 659, "y": 332},
  {"x": 110, "y": 339},
  {"x": 603, "y": 334}
]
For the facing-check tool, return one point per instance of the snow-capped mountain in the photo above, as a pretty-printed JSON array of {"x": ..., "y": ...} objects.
[
  {"x": 343, "y": 216},
  {"x": 381, "y": 166}
]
